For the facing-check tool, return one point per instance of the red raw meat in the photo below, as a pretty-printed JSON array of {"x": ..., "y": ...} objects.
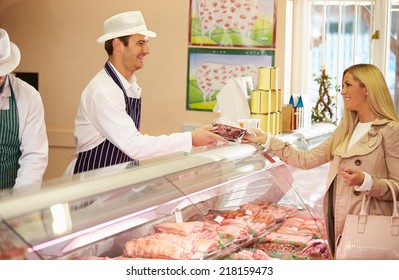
[{"x": 228, "y": 132}]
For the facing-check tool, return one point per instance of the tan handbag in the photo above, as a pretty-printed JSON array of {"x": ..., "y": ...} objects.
[{"x": 368, "y": 237}]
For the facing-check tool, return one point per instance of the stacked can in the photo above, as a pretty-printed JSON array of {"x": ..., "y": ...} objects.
[{"x": 267, "y": 101}]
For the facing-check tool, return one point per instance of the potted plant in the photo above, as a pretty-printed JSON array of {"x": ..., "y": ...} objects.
[{"x": 325, "y": 107}]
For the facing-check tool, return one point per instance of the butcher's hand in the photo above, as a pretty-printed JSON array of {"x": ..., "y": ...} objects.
[
  {"x": 203, "y": 137},
  {"x": 352, "y": 177},
  {"x": 255, "y": 135}
]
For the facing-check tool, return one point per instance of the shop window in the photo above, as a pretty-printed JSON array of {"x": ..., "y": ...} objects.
[
  {"x": 340, "y": 35},
  {"x": 393, "y": 53}
]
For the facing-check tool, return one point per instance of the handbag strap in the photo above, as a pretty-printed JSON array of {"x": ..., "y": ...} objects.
[
  {"x": 395, "y": 207},
  {"x": 364, "y": 212},
  {"x": 364, "y": 209}
]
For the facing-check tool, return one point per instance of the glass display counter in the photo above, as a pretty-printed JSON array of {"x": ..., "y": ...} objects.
[{"x": 234, "y": 201}]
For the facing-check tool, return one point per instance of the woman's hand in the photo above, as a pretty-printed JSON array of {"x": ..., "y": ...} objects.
[
  {"x": 352, "y": 177},
  {"x": 255, "y": 135}
]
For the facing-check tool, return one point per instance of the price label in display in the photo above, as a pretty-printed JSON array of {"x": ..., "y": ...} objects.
[
  {"x": 178, "y": 216},
  {"x": 218, "y": 219}
]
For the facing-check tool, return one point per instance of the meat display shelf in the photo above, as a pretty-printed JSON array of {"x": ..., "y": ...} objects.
[{"x": 96, "y": 213}]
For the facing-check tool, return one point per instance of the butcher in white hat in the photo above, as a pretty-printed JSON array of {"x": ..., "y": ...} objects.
[
  {"x": 23, "y": 138},
  {"x": 107, "y": 125}
]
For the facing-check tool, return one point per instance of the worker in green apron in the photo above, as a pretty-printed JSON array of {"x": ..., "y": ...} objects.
[{"x": 23, "y": 138}]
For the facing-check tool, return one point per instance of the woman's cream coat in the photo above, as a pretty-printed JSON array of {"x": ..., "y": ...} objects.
[{"x": 376, "y": 153}]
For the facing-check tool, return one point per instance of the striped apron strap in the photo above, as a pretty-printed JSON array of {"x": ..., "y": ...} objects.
[
  {"x": 106, "y": 153},
  {"x": 133, "y": 105},
  {"x": 9, "y": 144}
]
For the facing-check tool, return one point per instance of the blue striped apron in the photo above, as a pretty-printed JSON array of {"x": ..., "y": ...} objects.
[
  {"x": 9, "y": 144},
  {"x": 107, "y": 153}
]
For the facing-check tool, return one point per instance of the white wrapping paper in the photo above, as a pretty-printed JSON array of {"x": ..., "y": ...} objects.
[{"x": 232, "y": 100}]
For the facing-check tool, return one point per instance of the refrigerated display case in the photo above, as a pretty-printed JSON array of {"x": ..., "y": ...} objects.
[{"x": 95, "y": 215}]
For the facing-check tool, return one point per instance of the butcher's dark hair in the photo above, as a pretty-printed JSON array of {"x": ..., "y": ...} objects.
[{"x": 108, "y": 44}]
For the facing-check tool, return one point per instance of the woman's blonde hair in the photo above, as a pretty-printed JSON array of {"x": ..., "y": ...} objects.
[{"x": 379, "y": 101}]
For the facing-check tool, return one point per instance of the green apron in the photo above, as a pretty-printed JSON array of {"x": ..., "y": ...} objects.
[{"x": 9, "y": 144}]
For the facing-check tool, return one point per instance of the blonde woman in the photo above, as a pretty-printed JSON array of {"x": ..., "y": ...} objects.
[{"x": 363, "y": 151}]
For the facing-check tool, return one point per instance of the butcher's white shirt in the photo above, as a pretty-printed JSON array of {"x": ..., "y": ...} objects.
[
  {"x": 102, "y": 115},
  {"x": 32, "y": 132}
]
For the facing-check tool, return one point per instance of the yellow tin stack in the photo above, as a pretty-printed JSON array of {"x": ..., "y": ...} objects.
[{"x": 267, "y": 101}]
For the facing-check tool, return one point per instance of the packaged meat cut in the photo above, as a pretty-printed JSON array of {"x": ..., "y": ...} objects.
[
  {"x": 155, "y": 249},
  {"x": 315, "y": 250},
  {"x": 205, "y": 247},
  {"x": 179, "y": 228},
  {"x": 250, "y": 254},
  {"x": 303, "y": 226},
  {"x": 278, "y": 249},
  {"x": 229, "y": 132},
  {"x": 232, "y": 232},
  {"x": 235, "y": 222},
  {"x": 178, "y": 241},
  {"x": 257, "y": 228},
  {"x": 299, "y": 240},
  {"x": 185, "y": 241}
]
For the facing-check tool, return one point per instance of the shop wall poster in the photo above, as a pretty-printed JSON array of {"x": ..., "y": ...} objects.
[
  {"x": 233, "y": 23},
  {"x": 209, "y": 70}
]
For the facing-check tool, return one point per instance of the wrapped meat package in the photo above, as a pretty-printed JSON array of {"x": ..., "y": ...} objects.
[{"x": 229, "y": 132}]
